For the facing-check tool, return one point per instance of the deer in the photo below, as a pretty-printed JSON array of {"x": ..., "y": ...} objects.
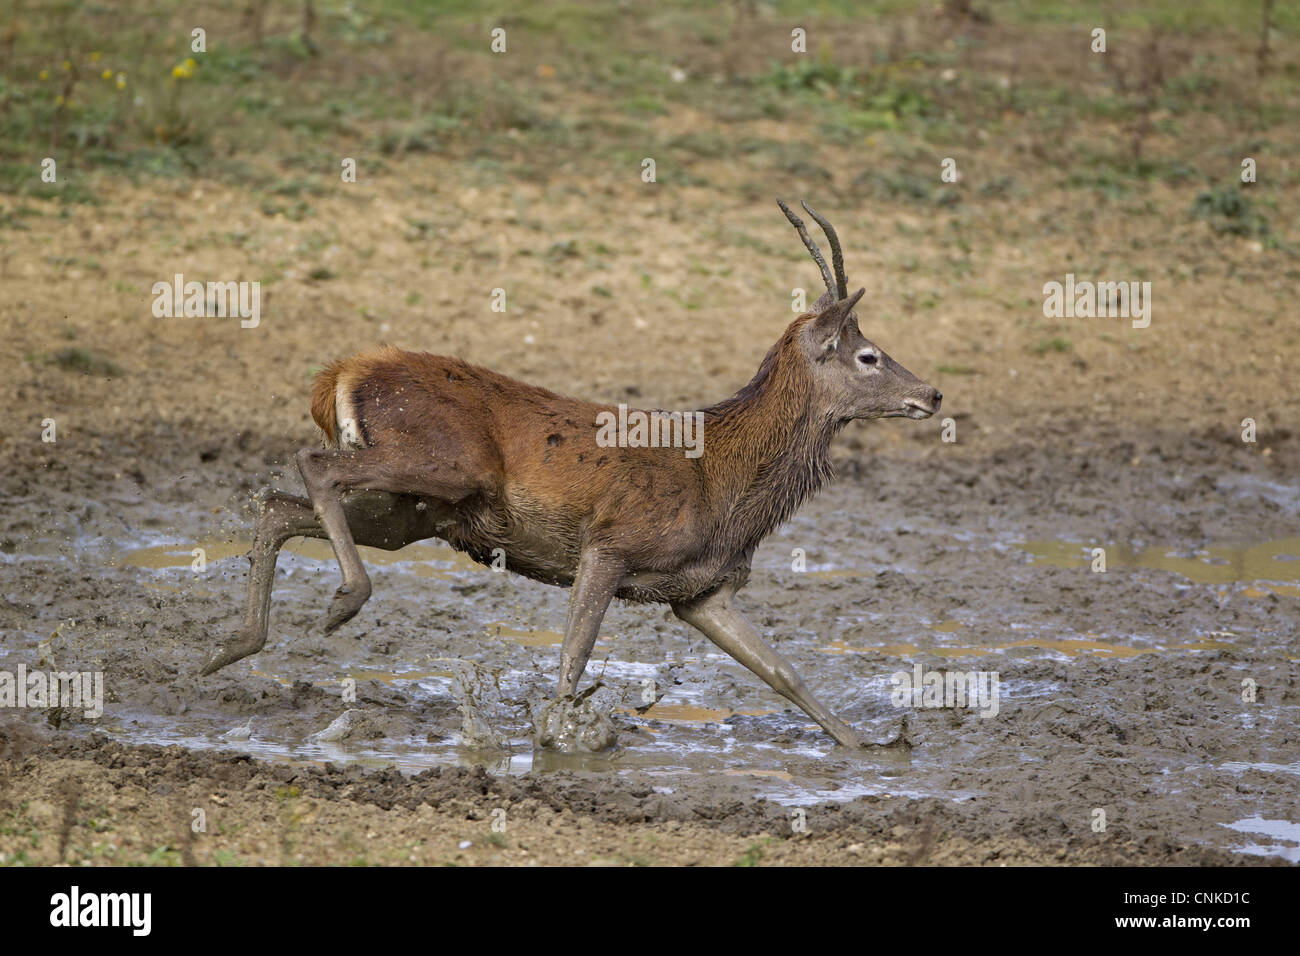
[{"x": 418, "y": 446}]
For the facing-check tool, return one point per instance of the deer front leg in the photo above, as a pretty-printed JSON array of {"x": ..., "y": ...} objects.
[
  {"x": 594, "y": 585},
  {"x": 718, "y": 620},
  {"x": 569, "y": 723}
]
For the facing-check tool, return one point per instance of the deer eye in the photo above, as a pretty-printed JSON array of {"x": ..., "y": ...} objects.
[{"x": 868, "y": 358}]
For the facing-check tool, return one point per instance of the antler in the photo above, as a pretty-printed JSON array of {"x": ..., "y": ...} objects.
[
  {"x": 837, "y": 257},
  {"x": 807, "y": 241},
  {"x": 837, "y": 287}
]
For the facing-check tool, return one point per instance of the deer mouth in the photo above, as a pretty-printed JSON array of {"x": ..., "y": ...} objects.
[{"x": 914, "y": 409}]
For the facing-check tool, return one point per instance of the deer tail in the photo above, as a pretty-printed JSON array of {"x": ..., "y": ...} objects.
[{"x": 324, "y": 409}]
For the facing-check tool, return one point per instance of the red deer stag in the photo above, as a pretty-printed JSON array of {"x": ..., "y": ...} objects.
[{"x": 484, "y": 462}]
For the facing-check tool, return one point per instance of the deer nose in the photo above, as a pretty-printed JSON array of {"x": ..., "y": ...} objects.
[{"x": 937, "y": 399}]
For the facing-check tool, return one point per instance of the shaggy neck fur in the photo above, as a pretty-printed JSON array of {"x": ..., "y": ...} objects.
[{"x": 768, "y": 446}]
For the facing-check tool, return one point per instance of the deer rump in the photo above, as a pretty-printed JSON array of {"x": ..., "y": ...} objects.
[{"x": 532, "y": 486}]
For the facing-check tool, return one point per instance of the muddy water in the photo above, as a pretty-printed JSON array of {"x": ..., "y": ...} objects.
[
  {"x": 1268, "y": 563},
  {"x": 661, "y": 739},
  {"x": 1121, "y": 690}
]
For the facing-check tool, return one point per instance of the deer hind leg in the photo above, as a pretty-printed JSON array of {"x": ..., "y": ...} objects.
[
  {"x": 716, "y": 618},
  {"x": 401, "y": 470},
  {"x": 378, "y": 521}
]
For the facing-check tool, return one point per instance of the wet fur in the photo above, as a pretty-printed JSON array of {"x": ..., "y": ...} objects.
[{"x": 545, "y": 489}]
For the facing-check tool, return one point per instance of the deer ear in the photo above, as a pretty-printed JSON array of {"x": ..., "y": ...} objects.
[{"x": 828, "y": 326}]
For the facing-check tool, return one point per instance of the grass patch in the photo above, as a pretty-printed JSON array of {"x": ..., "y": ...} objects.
[
  {"x": 753, "y": 854},
  {"x": 1055, "y": 344},
  {"x": 1229, "y": 212},
  {"x": 83, "y": 362}
]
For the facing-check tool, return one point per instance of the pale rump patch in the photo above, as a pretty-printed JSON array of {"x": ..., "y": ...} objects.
[{"x": 349, "y": 429}]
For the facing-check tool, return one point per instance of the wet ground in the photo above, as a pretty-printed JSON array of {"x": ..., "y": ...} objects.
[{"x": 1144, "y": 713}]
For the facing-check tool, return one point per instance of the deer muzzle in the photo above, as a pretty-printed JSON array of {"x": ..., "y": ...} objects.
[{"x": 924, "y": 404}]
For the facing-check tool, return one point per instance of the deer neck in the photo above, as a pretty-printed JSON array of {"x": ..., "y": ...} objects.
[{"x": 767, "y": 448}]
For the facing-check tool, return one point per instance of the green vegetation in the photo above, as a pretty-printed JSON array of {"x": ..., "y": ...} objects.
[
  {"x": 1228, "y": 211},
  {"x": 753, "y": 854},
  {"x": 80, "y": 361},
  {"x": 1055, "y": 344},
  {"x": 586, "y": 91},
  {"x": 118, "y": 87}
]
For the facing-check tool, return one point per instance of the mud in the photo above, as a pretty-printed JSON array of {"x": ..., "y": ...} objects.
[{"x": 1123, "y": 693}]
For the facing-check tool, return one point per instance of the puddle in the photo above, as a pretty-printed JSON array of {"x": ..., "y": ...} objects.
[
  {"x": 1068, "y": 647},
  {"x": 685, "y": 713},
  {"x": 1242, "y": 766},
  {"x": 361, "y": 674},
  {"x": 778, "y": 774},
  {"x": 1276, "y": 561},
  {"x": 1283, "y": 830},
  {"x": 408, "y": 754},
  {"x": 423, "y": 559},
  {"x": 533, "y": 638}
]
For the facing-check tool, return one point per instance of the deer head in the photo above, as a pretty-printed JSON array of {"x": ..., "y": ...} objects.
[{"x": 852, "y": 377}]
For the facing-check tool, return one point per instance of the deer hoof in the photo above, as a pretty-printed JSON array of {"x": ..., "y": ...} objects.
[
  {"x": 347, "y": 602},
  {"x": 224, "y": 654}
]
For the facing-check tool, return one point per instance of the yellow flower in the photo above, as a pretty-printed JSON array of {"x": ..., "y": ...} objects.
[
  {"x": 183, "y": 71},
  {"x": 67, "y": 66},
  {"x": 45, "y": 74},
  {"x": 94, "y": 57},
  {"x": 58, "y": 100},
  {"x": 106, "y": 75},
  {"x": 121, "y": 81},
  {"x": 189, "y": 62}
]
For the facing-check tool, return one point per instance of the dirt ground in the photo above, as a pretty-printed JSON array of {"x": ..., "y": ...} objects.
[{"x": 1124, "y": 692}]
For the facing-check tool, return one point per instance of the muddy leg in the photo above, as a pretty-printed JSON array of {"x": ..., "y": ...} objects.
[
  {"x": 378, "y": 521},
  {"x": 282, "y": 517},
  {"x": 324, "y": 490},
  {"x": 593, "y": 588},
  {"x": 438, "y": 474},
  {"x": 566, "y": 723},
  {"x": 716, "y": 618}
]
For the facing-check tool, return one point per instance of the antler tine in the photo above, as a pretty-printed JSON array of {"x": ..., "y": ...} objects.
[
  {"x": 837, "y": 257},
  {"x": 812, "y": 246}
]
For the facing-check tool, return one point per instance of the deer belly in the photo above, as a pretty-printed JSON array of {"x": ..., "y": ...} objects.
[{"x": 543, "y": 538}]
